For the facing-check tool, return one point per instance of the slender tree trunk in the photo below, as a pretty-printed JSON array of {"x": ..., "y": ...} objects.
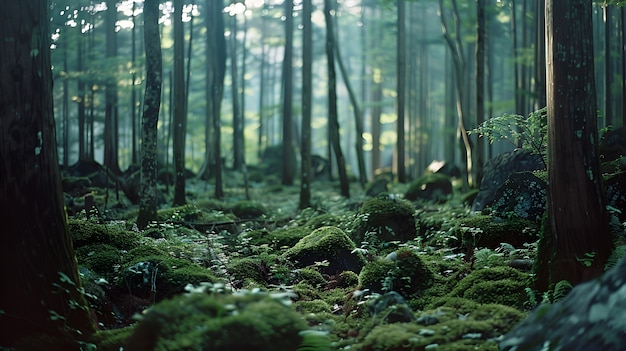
[
  {"x": 307, "y": 84},
  {"x": 133, "y": 91},
  {"x": 576, "y": 241},
  {"x": 152, "y": 104},
  {"x": 333, "y": 120},
  {"x": 41, "y": 295},
  {"x": 401, "y": 90},
  {"x": 263, "y": 66},
  {"x": 480, "y": 86},
  {"x": 180, "y": 119},
  {"x": 289, "y": 156},
  {"x": 608, "y": 71},
  {"x": 237, "y": 113},
  {"x": 111, "y": 130}
]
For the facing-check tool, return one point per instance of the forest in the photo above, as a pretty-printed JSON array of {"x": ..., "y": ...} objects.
[{"x": 312, "y": 175}]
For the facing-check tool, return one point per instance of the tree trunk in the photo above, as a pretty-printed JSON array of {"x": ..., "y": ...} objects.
[
  {"x": 152, "y": 104},
  {"x": 333, "y": 122},
  {"x": 307, "y": 83},
  {"x": 289, "y": 156},
  {"x": 38, "y": 266},
  {"x": 576, "y": 242},
  {"x": 237, "y": 113},
  {"x": 480, "y": 86},
  {"x": 180, "y": 118},
  {"x": 111, "y": 118},
  {"x": 401, "y": 89}
]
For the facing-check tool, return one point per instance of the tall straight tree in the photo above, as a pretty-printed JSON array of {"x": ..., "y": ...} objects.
[
  {"x": 180, "y": 117},
  {"x": 576, "y": 242},
  {"x": 307, "y": 84},
  {"x": 480, "y": 86},
  {"x": 400, "y": 88},
  {"x": 333, "y": 119},
  {"x": 289, "y": 156},
  {"x": 237, "y": 112},
  {"x": 151, "y": 106},
  {"x": 111, "y": 118},
  {"x": 40, "y": 296}
]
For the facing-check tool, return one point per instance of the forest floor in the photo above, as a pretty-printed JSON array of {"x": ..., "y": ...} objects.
[{"x": 437, "y": 290}]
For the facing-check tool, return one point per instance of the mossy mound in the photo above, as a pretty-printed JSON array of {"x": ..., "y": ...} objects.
[
  {"x": 404, "y": 273},
  {"x": 522, "y": 195},
  {"x": 433, "y": 187},
  {"x": 219, "y": 322},
  {"x": 326, "y": 244},
  {"x": 100, "y": 258},
  {"x": 248, "y": 210},
  {"x": 148, "y": 272},
  {"x": 502, "y": 285},
  {"x": 489, "y": 231},
  {"x": 383, "y": 219},
  {"x": 323, "y": 220},
  {"x": 278, "y": 238},
  {"x": 185, "y": 213},
  {"x": 445, "y": 328},
  {"x": 85, "y": 232}
]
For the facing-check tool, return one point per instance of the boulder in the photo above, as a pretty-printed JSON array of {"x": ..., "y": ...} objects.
[
  {"x": 384, "y": 218},
  {"x": 590, "y": 317},
  {"x": 433, "y": 187},
  {"x": 444, "y": 167},
  {"x": 523, "y": 195},
  {"x": 498, "y": 169}
]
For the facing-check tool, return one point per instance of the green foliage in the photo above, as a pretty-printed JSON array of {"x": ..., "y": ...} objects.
[
  {"x": 248, "y": 209},
  {"x": 530, "y": 132},
  {"x": 314, "y": 341},
  {"x": 85, "y": 232},
  {"x": 387, "y": 218},
  {"x": 501, "y": 285}
]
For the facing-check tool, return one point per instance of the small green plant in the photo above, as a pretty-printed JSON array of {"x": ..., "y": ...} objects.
[{"x": 529, "y": 133}]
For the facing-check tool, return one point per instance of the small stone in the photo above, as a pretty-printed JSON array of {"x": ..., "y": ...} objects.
[{"x": 426, "y": 332}]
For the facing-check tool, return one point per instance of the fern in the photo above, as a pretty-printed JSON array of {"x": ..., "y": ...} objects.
[{"x": 561, "y": 289}]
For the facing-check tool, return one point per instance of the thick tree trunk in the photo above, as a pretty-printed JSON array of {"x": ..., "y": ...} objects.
[
  {"x": 152, "y": 104},
  {"x": 38, "y": 266},
  {"x": 577, "y": 241},
  {"x": 401, "y": 90},
  {"x": 111, "y": 119},
  {"x": 289, "y": 156}
]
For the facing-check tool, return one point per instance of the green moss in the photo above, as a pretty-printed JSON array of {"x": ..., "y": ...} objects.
[
  {"x": 502, "y": 285},
  {"x": 312, "y": 277},
  {"x": 221, "y": 322},
  {"x": 313, "y": 306},
  {"x": 347, "y": 279},
  {"x": 113, "y": 339},
  {"x": 388, "y": 218},
  {"x": 328, "y": 244},
  {"x": 323, "y": 220},
  {"x": 406, "y": 274},
  {"x": 248, "y": 209},
  {"x": 488, "y": 231},
  {"x": 99, "y": 258},
  {"x": 186, "y": 213},
  {"x": 249, "y": 269},
  {"x": 278, "y": 238},
  {"x": 84, "y": 232}
]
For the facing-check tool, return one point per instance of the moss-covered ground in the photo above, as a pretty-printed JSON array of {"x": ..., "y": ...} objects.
[{"x": 259, "y": 273}]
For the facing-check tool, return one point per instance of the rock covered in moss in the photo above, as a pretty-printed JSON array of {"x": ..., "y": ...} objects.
[
  {"x": 434, "y": 187},
  {"x": 85, "y": 232},
  {"x": 405, "y": 273},
  {"x": 489, "y": 231},
  {"x": 590, "y": 317},
  {"x": 248, "y": 321},
  {"x": 277, "y": 238},
  {"x": 383, "y": 219},
  {"x": 522, "y": 195},
  {"x": 248, "y": 209},
  {"x": 498, "y": 169},
  {"x": 328, "y": 244},
  {"x": 501, "y": 285}
]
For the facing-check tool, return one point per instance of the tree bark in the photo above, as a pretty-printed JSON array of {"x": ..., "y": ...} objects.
[
  {"x": 289, "y": 156},
  {"x": 333, "y": 121},
  {"x": 576, "y": 242},
  {"x": 151, "y": 106},
  {"x": 480, "y": 86},
  {"x": 38, "y": 266},
  {"x": 401, "y": 90},
  {"x": 111, "y": 119},
  {"x": 307, "y": 83},
  {"x": 180, "y": 118}
]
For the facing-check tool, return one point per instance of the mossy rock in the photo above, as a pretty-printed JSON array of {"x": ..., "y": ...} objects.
[
  {"x": 248, "y": 270},
  {"x": 432, "y": 222},
  {"x": 248, "y": 210},
  {"x": 277, "y": 238},
  {"x": 185, "y": 213},
  {"x": 99, "y": 258},
  {"x": 432, "y": 187},
  {"x": 323, "y": 220},
  {"x": 451, "y": 330},
  {"x": 387, "y": 219},
  {"x": 85, "y": 232},
  {"x": 328, "y": 244},
  {"x": 112, "y": 339},
  {"x": 148, "y": 272},
  {"x": 490, "y": 231},
  {"x": 405, "y": 274},
  {"x": 502, "y": 285},
  {"x": 312, "y": 277},
  {"x": 219, "y": 322}
]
